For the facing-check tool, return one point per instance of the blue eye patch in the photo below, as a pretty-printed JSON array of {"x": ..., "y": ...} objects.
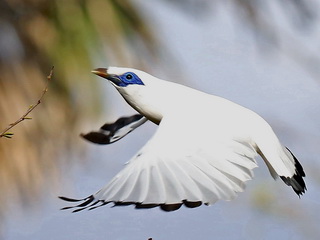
[{"x": 129, "y": 78}]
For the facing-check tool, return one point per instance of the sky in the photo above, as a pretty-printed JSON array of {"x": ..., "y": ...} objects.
[{"x": 217, "y": 55}]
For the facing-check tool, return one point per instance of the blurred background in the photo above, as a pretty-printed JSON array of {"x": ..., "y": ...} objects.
[{"x": 261, "y": 54}]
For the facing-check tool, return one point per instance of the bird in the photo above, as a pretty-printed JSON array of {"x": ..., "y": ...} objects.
[{"x": 204, "y": 149}]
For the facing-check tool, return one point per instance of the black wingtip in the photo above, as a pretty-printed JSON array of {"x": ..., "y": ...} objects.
[
  {"x": 296, "y": 181},
  {"x": 90, "y": 203},
  {"x": 85, "y": 203},
  {"x": 112, "y": 132},
  {"x": 96, "y": 137},
  {"x": 70, "y": 199}
]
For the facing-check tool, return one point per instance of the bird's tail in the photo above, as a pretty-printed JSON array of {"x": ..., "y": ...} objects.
[
  {"x": 281, "y": 162},
  {"x": 296, "y": 181}
]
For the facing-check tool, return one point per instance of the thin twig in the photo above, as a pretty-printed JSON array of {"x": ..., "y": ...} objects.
[{"x": 5, "y": 132}]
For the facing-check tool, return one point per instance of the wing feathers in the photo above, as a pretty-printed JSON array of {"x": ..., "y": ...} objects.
[
  {"x": 149, "y": 181},
  {"x": 191, "y": 190}
]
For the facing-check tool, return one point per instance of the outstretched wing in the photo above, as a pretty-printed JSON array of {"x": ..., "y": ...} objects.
[
  {"x": 112, "y": 132},
  {"x": 182, "y": 164}
]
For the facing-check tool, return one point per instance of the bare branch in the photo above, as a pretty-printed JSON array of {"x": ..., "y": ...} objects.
[{"x": 5, "y": 132}]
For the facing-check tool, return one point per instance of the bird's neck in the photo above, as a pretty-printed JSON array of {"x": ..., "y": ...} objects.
[
  {"x": 146, "y": 103},
  {"x": 160, "y": 98}
]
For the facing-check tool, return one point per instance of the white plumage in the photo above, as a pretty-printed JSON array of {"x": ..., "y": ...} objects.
[{"x": 203, "y": 150}]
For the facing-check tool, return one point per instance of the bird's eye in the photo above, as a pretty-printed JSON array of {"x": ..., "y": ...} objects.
[{"x": 129, "y": 76}]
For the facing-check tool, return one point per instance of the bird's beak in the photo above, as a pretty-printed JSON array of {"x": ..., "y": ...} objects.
[{"x": 103, "y": 72}]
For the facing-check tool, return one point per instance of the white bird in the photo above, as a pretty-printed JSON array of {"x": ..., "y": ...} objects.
[{"x": 204, "y": 149}]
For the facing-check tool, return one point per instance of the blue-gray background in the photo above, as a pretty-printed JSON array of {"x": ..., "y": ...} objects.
[{"x": 216, "y": 54}]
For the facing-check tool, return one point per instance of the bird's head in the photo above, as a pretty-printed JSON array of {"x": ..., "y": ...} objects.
[
  {"x": 141, "y": 90},
  {"x": 149, "y": 95},
  {"x": 122, "y": 77}
]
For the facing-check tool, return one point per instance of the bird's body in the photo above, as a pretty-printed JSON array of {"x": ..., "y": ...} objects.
[{"x": 203, "y": 151}]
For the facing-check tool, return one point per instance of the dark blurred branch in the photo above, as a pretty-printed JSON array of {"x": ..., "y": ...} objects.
[{"x": 5, "y": 132}]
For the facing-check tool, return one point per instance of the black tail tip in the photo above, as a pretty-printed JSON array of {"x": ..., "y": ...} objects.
[{"x": 296, "y": 181}]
